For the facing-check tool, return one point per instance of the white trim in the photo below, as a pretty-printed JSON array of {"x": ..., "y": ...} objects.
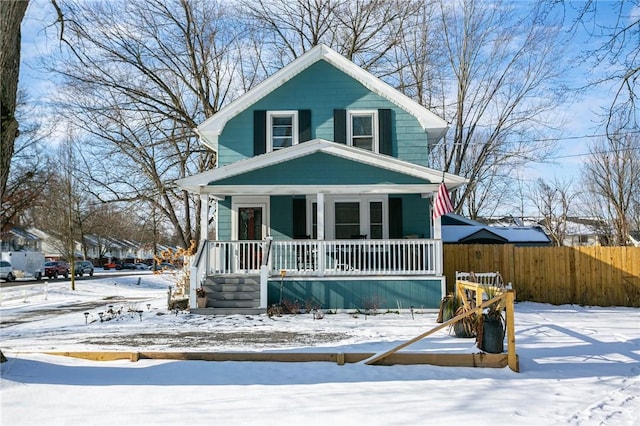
[
  {"x": 250, "y": 201},
  {"x": 294, "y": 127},
  {"x": 212, "y": 128},
  {"x": 374, "y": 126}
]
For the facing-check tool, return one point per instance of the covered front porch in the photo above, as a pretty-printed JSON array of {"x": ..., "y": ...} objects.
[
  {"x": 339, "y": 224},
  {"x": 249, "y": 276}
]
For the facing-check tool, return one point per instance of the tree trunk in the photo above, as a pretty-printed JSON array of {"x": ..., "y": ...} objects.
[{"x": 11, "y": 14}]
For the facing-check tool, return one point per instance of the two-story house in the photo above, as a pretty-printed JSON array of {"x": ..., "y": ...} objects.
[{"x": 323, "y": 194}]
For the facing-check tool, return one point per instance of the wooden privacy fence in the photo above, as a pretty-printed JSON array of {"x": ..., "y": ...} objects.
[{"x": 594, "y": 276}]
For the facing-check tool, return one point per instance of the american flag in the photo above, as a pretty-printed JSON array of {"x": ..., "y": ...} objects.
[{"x": 442, "y": 203}]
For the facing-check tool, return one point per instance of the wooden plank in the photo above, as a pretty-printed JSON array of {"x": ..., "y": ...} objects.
[
  {"x": 221, "y": 356},
  {"x": 405, "y": 358},
  {"x": 95, "y": 356},
  {"x": 484, "y": 360}
]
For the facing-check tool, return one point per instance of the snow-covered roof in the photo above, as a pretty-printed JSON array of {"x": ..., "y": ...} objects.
[
  {"x": 212, "y": 128},
  {"x": 464, "y": 230}
]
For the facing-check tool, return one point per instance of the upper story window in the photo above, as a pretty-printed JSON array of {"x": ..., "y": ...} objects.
[
  {"x": 362, "y": 129},
  {"x": 282, "y": 129}
]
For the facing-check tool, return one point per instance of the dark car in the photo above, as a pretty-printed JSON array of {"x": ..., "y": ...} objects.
[
  {"x": 83, "y": 267},
  {"x": 164, "y": 266},
  {"x": 128, "y": 266},
  {"x": 54, "y": 268}
]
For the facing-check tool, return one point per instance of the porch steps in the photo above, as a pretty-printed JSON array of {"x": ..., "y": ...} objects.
[{"x": 230, "y": 295}]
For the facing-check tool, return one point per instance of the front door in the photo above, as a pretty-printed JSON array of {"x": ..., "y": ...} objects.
[
  {"x": 249, "y": 230},
  {"x": 250, "y": 223}
]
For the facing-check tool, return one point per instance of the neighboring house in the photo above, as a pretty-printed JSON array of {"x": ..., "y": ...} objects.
[
  {"x": 323, "y": 194},
  {"x": 16, "y": 238},
  {"x": 49, "y": 244},
  {"x": 586, "y": 232},
  {"x": 457, "y": 229}
]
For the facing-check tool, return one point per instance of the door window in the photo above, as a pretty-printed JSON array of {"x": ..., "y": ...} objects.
[{"x": 250, "y": 223}]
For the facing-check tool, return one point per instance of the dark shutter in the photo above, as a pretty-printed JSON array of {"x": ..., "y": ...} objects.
[
  {"x": 259, "y": 132},
  {"x": 340, "y": 125},
  {"x": 384, "y": 131},
  {"x": 304, "y": 125},
  {"x": 395, "y": 217},
  {"x": 299, "y": 217}
]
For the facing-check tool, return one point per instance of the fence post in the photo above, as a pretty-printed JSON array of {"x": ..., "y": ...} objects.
[{"x": 512, "y": 357}]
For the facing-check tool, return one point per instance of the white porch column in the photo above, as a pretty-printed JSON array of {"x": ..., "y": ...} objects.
[
  {"x": 320, "y": 213},
  {"x": 437, "y": 228},
  {"x": 204, "y": 216}
]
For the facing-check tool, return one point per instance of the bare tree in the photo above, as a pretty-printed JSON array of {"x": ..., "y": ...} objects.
[
  {"x": 503, "y": 69},
  {"x": 364, "y": 31},
  {"x": 11, "y": 15},
  {"x": 616, "y": 55},
  {"x": 29, "y": 170},
  {"x": 554, "y": 203},
  {"x": 139, "y": 77},
  {"x": 611, "y": 178}
]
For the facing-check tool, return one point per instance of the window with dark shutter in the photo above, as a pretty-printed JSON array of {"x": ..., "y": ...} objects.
[
  {"x": 395, "y": 217},
  {"x": 384, "y": 131},
  {"x": 299, "y": 219},
  {"x": 259, "y": 132},
  {"x": 304, "y": 125},
  {"x": 340, "y": 126}
]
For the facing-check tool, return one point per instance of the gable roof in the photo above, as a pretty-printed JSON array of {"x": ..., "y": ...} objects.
[
  {"x": 459, "y": 229},
  {"x": 210, "y": 129},
  {"x": 215, "y": 181}
]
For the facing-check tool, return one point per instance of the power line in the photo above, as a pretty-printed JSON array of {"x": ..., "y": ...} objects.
[
  {"x": 611, "y": 151},
  {"x": 557, "y": 139}
]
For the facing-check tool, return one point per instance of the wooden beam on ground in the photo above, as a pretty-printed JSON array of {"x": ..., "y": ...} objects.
[
  {"x": 480, "y": 359},
  {"x": 403, "y": 358},
  {"x": 338, "y": 358}
]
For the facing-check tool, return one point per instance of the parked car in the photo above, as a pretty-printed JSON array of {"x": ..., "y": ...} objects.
[
  {"x": 83, "y": 267},
  {"x": 141, "y": 266},
  {"x": 112, "y": 265},
  {"x": 164, "y": 266},
  {"x": 54, "y": 268},
  {"x": 6, "y": 271},
  {"x": 128, "y": 266}
]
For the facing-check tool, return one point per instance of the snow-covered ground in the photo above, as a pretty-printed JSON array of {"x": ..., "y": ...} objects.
[{"x": 578, "y": 365}]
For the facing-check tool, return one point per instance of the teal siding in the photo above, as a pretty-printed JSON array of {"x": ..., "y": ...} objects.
[
  {"x": 224, "y": 219},
  {"x": 281, "y": 217},
  {"x": 416, "y": 216},
  {"x": 382, "y": 294},
  {"x": 314, "y": 170},
  {"x": 323, "y": 88}
]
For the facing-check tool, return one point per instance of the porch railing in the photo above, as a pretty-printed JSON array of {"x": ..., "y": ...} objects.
[{"x": 328, "y": 258}]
